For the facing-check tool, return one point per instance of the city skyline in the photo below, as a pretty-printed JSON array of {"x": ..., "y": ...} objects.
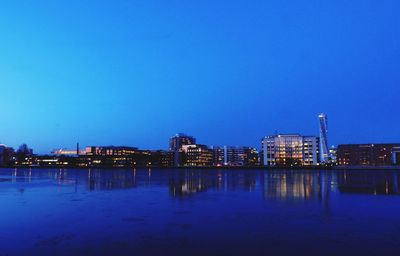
[
  {"x": 278, "y": 150},
  {"x": 322, "y": 123},
  {"x": 135, "y": 73}
]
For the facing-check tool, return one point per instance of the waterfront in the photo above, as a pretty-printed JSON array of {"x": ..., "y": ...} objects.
[{"x": 199, "y": 212}]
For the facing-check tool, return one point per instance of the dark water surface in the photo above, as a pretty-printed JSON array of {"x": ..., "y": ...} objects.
[{"x": 199, "y": 212}]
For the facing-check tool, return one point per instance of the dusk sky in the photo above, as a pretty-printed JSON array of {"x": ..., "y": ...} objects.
[{"x": 227, "y": 72}]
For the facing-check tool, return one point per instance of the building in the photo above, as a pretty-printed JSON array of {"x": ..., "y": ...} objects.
[
  {"x": 240, "y": 156},
  {"x": 218, "y": 155},
  {"x": 396, "y": 155},
  {"x": 121, "y": 156},
  {"x": 162, "y": 158},
  {"x": 323, "y": 133},
  {"x": 176, "y": 142},
  {"x": 290, "y": 150},
  {"x": 333, "y": 156},
  {"x": 368, "y": 154},
  {"x": 197, "y": 155},
  {"x": 7, "y": 155},
  {"x": 175, "y": 145},
  {"x": 68, "y": 152},
  {"x": 235, "y": 156}
]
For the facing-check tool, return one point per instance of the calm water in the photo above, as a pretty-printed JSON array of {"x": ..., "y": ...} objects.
[{"x": 199, "y": 212}]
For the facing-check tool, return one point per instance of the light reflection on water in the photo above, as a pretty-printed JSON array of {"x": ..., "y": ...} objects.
[
  {"x": 176, "y": 211},
  {"x": 274, "y": 184}
]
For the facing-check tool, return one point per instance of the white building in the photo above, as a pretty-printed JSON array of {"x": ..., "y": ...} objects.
[{"x": 290, "y": 150}]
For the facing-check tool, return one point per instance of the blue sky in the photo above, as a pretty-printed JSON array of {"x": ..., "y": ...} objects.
[{"x": 228, "y": 72}]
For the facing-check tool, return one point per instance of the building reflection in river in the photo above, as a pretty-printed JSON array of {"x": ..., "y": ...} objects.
[
  {"x": 298, "y": 185},
  {"x": 369, "y": 182},
  {"x": 284, "y": 185}
]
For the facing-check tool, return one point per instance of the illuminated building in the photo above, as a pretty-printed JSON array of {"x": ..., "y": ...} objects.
[
  {"x": 68, "y": 152},
  {"x": 290, "y": 150},
  {"x": 197, "y": 155},
  {"x": 333, "y": 155},
  {"x": 117, "y": 156},
  {"x": 240, "y": 156},
  {"x": 323, "y": 133},
  {"x": 179, "y": 140},
  {"x": 235, "y": 156},
  {"x": 176, "y": 143},
  {"x": 396, "y": 155},
  {"x": 368, "y": 154},
  {"x": 162, "y": 158},
  {"x": 219, "y": 156}
]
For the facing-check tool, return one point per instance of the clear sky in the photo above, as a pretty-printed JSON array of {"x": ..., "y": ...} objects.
[{"x": 227, "y": 72}]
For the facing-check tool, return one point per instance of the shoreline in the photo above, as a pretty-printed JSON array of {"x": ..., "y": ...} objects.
[{"x": 259, "y": 168}]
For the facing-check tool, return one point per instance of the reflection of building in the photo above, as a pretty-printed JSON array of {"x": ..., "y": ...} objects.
[
  {"x": 297, "y": 186},
  {"x": 197, "y": 155},
  {"x": 380, "y": 182},
  {"x": 290, "y": 150},
  {"x": 186, "y": 184},
  {"x": 323, "y": 131},
  {"x": 367, "y": 154}
]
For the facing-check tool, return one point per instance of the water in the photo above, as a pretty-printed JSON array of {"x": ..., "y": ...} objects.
[{"x": 199, "y": 212}]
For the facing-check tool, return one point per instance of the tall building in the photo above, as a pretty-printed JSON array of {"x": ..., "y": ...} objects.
[
  {"x": 219, "y": 155},
  {"x": 290, "y": 150},
  {"x": 323, "y": 134},
  {"x": 179, "y": 140},
  {"x": 176, "y": 144},
  {"x": 368, "y": 154}
]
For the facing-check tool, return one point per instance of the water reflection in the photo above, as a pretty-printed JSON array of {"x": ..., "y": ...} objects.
[
  {"x": 285, "y": 185},
  {"x": 374, "y": 182}
]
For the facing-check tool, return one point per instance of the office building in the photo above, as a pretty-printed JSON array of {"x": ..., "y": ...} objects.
[
  {"x": 218, "y": 155},
  {"x": 179, "y": 140},
  {"x": 197, "y": 155},
  {"x": 368, "y": 154},
  {"x": 235, "y": 156},
  {"x": 121, "y": 156},
  {"x": 175, "y": 145},
  {"x": 67, "y": 152},
  {"x": 290, "y": 150}
]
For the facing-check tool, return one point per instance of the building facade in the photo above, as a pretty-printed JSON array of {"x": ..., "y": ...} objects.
[
  {"x": 290, "y": 150},
  {"x": 197, "y": 155},
  {"x": 176, "y": 144},
  {"x": 323, "y": 133},
  {"x": 368, "y": 154}
]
